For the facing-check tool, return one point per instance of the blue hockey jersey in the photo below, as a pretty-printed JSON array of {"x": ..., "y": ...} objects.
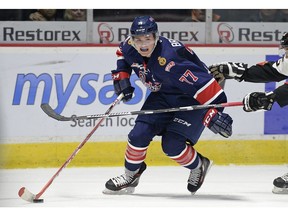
[{"x": 171, "y": 69}]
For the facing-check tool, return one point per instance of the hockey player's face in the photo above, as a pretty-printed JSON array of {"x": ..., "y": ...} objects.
[{"x": 144, "y": 44}]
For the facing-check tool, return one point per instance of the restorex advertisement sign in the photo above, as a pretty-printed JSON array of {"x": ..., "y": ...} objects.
[{"x": 115, "y": 32}]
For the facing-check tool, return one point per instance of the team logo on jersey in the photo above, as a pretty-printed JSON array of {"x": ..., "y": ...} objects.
[
  {"x": 162, "y": 61},
  {"x": 146, "y": 77}
]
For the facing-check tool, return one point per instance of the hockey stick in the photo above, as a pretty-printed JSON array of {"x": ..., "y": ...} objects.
[
  {"x": 50, "y": 112},
  {"x": 25, "y": 194}
]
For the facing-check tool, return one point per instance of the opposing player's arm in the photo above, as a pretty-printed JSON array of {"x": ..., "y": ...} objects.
[
  {"x": 263, "y": 72},
  {"x": 228, "y": 70},
  {"x": 264, "y": 100},
  {"x": 259, "y": 73}
]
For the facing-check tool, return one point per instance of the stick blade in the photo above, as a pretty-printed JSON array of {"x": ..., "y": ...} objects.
[
  {"x": 51, "y": 113},
  {"x": 26, "y": 195}
]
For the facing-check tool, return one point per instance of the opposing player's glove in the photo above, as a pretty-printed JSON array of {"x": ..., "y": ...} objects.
[
  {"x": 227, "y": 70},
  {"x": 218, "y": 122},
  {"x": 122, "y": 84},
  {"x": 258, "y": 101}
]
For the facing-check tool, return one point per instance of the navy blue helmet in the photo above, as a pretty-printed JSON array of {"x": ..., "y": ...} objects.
[{"x": 143, "y": 25}]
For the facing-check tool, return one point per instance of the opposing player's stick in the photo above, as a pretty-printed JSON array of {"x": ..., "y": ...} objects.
[
  {"x": 30, "y": 197},
  {"x": 50, "y": 112}
]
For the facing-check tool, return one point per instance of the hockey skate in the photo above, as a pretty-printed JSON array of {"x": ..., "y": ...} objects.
[
  {"x": 197, "y": 176},
  {"x": 281, "y": 185},
  {"x": 125, "y": 183}
]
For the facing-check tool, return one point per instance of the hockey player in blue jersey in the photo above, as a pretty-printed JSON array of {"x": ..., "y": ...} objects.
[{"x": 176, "y": 77}]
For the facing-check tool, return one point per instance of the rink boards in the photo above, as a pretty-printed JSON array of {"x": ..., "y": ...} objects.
[
  {"x": 98, "y": 154},
  {"x": 77, "y": 80}
]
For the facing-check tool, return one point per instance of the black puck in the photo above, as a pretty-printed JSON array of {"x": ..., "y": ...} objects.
[{"x": 38, "y": 200}]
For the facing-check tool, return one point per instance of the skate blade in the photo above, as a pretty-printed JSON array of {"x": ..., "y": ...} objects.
[
  {"x": 124, "y": 191},
  {"x": 277, "y": 190},
  {"x": 210, "y": 165}
]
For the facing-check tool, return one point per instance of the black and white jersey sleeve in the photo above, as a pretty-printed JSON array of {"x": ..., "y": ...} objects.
[
  {"x": 270, "y": 72},
  {"x": 267, "y": 72}
]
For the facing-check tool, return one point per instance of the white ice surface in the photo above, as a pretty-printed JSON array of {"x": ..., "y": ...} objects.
[{"x": 227, "y": 189}]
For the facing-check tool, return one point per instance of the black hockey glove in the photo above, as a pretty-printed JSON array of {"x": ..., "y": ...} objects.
[
  {"x": 258, "y": 101},
  {"x": 123, "y": 85},
  {"x": 218, "y": 122},
  {"x": 228, "y": 70}
]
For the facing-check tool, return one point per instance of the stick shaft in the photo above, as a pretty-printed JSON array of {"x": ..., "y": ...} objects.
[
  {"x": 147, "y": 112},
  {"x": 50, "y": 112}
]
